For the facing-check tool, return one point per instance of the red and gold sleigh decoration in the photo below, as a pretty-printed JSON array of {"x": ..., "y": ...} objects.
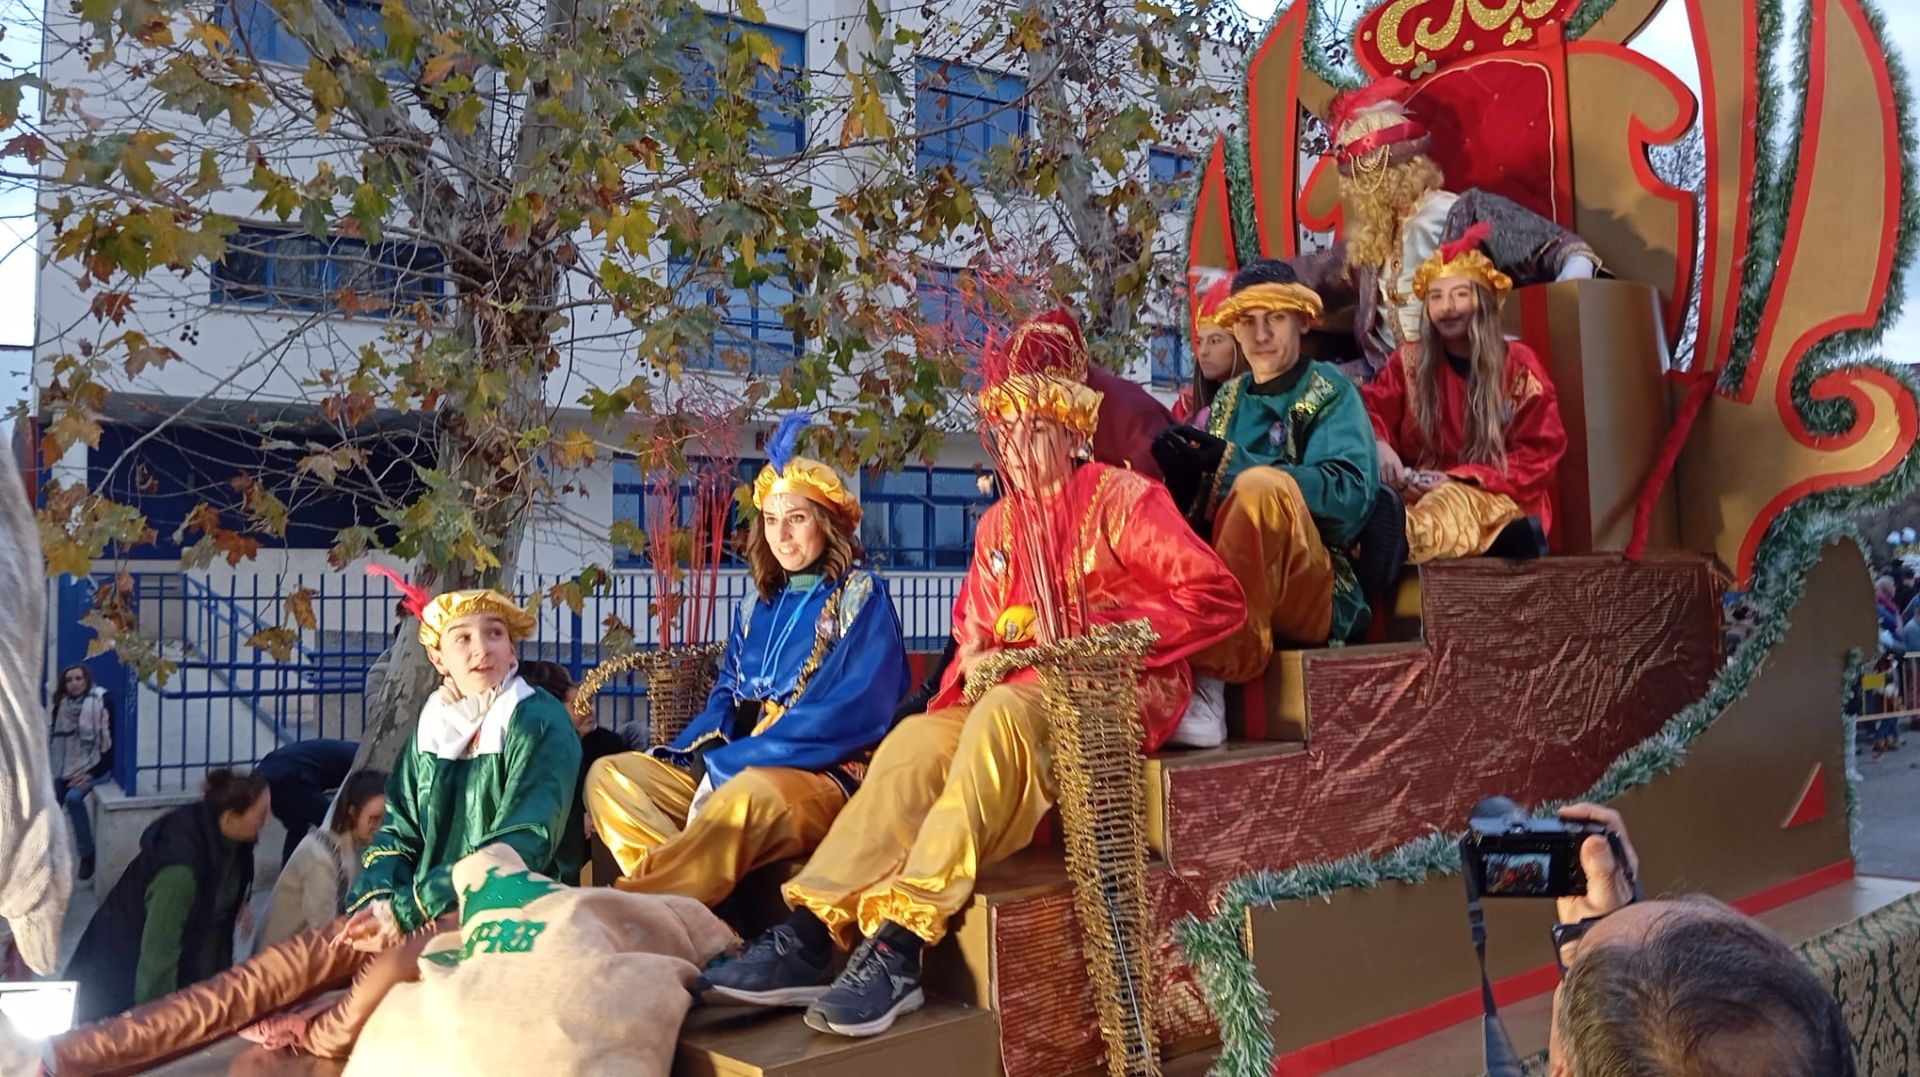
[{"x": 1575, "y": 120}]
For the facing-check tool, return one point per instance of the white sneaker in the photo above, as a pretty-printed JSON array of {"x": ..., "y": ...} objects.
[{"x": 1205, "y": 723}]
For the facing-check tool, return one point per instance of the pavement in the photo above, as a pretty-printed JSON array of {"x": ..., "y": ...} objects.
[{"x": 1886, "y": 836}]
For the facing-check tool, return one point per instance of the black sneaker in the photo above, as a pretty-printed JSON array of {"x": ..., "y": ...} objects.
[
  {"x": 879, "y": 984},
  {"x": 776, "y": 970}
]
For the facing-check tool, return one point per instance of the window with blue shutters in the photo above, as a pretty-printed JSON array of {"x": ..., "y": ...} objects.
[
  {"x": 781, "y": 93},
  {"x": 751, "y": 337},
  {"x": 282, "y": 269},
  {"x": 632, "y": 492},
  {"x": 921, "y": 518},
  {"x": 963, "y": 113}
]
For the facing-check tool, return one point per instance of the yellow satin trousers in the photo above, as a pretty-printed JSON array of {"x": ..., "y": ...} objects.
[
  {"x": 1265, "y": 534},
  {"x": 947, "y": 794},
  {"x": 638, "y": 805},
  {"x": 1456, "y": 519}
]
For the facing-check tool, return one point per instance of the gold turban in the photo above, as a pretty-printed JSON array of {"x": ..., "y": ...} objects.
[
  {"x": 812, "y": 480},
  {"x": 447, "y": 608}
]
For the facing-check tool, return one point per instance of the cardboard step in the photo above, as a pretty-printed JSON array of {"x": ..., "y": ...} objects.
[
  {"x": 942, "y": 1039},
  {"x": 1167, "y": 771}
]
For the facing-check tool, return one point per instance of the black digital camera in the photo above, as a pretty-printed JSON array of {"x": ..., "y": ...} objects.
[{"x": 1508, "y": 853}]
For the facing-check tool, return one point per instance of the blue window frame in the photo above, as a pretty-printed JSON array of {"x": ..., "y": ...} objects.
[
  {"x": 751, "y": 334},
  {"x": 1170, "y": 170},
  {"x": 943, "y": 303},
  {"x": 1171, "y": 355},
  {"x": 966, "y": 112},
  {"x": 256, "y": 26},
  {"x": 921, "y": 518},
  {"x": 284, "y": 269},
  {"x": 630, "y": 495},
  {"x": 781, "y": 93}
]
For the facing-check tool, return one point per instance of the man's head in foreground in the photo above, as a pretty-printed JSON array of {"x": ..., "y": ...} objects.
[{"x": 1683, "y": 987}]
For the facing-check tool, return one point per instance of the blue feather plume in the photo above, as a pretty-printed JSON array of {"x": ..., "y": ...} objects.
[{"x": 786, "y": 439}]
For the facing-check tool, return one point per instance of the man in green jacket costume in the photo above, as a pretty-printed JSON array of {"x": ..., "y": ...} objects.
[{"x": 1281, "y": 481}]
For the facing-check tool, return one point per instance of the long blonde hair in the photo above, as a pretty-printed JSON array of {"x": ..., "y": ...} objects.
[
  {"x": 1373, "y": 204},
  {"x": 1486, "y": 385}
]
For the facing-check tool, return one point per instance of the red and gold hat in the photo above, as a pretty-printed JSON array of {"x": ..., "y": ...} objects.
[
  {"x": 1208, "y": 318},
  {"x": 1041, "y": 371},
  {"x": 1464, "y": 258},
  {"x": 1373, "y": 130}
]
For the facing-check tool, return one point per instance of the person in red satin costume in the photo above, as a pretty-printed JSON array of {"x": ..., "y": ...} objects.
[{"x": 965, "y": 784}]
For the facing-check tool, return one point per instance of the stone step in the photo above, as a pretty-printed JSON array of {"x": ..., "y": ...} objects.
[{"x": 942, "y": 1039}]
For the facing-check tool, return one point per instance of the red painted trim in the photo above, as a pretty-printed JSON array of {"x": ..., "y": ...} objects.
[
  {"x": 1640, "y": 135},
  {"x": 1550, "y": 44},
  {"x": 1323, "y": 171},
  {"x": 1414, "y": 1024},
  {"x": 1211, "y": 210},
  {"x": 1714, "y": 337},
  {"x": 1291, "y": 26},
  {"x": 1844, "y": 383},
  {"x": 1794, "y": 889}
]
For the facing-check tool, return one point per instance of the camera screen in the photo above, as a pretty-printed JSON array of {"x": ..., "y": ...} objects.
[{"x": 1518, "y": 874}]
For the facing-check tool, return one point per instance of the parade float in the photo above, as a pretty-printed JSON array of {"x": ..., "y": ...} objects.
[{"x": 1301, "y": 883}]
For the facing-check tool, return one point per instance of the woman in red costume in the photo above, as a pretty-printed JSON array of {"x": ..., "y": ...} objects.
[
  {"x": 1467, "y": 426},
  {"x": 1216, "y": 359}
]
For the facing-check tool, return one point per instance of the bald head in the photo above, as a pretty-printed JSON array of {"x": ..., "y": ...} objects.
[{"x": 1691, "y": 988}]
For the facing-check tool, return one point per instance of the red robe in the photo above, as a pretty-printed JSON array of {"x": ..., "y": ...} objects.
[
  {"x": 1535, "y": 439},
  {"x": 1139, "y": 559}
]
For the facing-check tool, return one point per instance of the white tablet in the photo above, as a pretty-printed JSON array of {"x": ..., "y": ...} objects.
[{"x": 40, "y": 1009}]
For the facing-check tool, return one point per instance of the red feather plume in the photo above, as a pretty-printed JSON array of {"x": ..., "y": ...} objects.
[
  {"x": 416, "y": 596},
  {"x": 1470, "y": 239},
  {"x": 1347, "y": 105}
]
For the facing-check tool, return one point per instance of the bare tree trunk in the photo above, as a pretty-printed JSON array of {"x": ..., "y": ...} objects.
[
  {"x": 1110, "y": 251},
  {"x": 489, "y": 463}
]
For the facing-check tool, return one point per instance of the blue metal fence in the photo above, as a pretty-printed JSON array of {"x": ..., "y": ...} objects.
[{"x": 229, "y": 702}]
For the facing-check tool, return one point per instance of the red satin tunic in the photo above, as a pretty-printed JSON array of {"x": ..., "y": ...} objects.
[
  {"x": 1120, "y": 534},
  {"x": 1534, "y": 437}
]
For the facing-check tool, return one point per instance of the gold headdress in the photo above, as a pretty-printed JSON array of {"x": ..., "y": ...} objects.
[
  {"x": 787, "y": 473},
  {"x": 438, "y": 611},
  {"x": 1464, "y": 258},
  {"x": 1042, "y": 371}
]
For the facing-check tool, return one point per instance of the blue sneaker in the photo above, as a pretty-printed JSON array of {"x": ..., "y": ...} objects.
[
  {"x": 776, "y": 970},
  {"x": 880, "y": 983}
]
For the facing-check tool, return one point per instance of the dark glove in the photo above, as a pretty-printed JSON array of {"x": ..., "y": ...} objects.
[
  {"x": 1188, "y": 458},
  {"x": 694, "y": 761}
]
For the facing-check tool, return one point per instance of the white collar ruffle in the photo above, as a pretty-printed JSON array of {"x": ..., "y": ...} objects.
[{"x": 476, "y": 725}]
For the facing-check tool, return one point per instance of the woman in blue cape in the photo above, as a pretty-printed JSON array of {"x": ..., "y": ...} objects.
[{"x": 807, "y": 686}]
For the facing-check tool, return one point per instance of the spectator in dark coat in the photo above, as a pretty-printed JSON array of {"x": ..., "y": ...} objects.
[
  {"x": 303, "y": 776},
  {"x": 169, "y": 921},
  {"x": 594, "y": 743}
]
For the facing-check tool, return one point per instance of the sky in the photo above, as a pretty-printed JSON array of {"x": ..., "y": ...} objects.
[{"x": 1665, "y": 40}]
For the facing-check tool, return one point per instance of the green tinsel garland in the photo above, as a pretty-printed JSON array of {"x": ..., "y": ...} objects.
[{"x": 1792, "y": 545}]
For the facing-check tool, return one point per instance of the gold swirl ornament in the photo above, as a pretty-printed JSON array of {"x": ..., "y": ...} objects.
[{"x": 1016, "y": 625}]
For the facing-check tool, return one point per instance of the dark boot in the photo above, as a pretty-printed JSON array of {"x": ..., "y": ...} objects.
[{"x": 1522, "y": 540}]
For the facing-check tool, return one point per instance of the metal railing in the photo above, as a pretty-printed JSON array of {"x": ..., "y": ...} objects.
[
  {"x": 1888, "y": 688},
  {"x": 229, "y": 702}
]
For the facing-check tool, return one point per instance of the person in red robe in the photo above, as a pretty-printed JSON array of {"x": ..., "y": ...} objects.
[
  {"x": 964, "y": 785},
  {"x": 1467, "y": 425}
]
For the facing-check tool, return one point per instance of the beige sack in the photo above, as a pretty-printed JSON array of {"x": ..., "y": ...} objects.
[{"x": 544, "y": 979}]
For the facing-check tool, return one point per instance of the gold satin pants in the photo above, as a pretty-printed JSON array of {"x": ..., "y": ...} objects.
[
  {"x": 639, "y": 805},
  {"x": 1456, "y": 519},
  {"x": 948, "y": 793},
  {"x": 1265, "y": 534}
]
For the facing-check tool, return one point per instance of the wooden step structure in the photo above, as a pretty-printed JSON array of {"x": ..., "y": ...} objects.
[{"x": 1302, "y": 790}]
